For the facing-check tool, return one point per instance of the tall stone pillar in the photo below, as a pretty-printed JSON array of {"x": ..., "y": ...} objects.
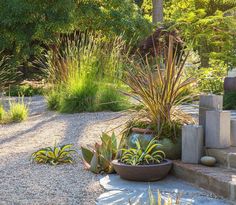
[
  {"x": 192, "y": 143},
  {"x": 206, "y": 103},
  {"x": 217, "y": 129}
]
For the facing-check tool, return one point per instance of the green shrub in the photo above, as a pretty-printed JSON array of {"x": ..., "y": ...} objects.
[
  {"x": 24, "y": 90},
  {"x": 211, "y": 79},
  {"x": 18, "y": 111},
  {"x": 229, "y": 100}
]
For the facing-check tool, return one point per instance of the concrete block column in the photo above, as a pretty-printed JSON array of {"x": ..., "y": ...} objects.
[
  {"x": 192, "y": 143},
  {"x": 217, "y": 129},
  {"x": 233, "y": 132},
  {"x": 206, "y": 103}
]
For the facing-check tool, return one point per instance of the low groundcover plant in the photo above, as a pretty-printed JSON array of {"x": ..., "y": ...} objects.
[{"x": 54, "y": 155}]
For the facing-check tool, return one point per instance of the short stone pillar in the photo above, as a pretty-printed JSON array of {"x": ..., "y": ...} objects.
[
  {"x": 206, "y": 103},
  {"x": 217, "y": 129},
  {"x": 192, "y": 143},
  {"x": 233, "y": 132}
]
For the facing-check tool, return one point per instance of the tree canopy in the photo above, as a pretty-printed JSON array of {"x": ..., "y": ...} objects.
[
  {"x": 28, "y": 25},
  {"x": 208, "y": 25}
]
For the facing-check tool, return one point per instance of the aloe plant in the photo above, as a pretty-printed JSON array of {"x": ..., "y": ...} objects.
[
  {"x": 139, "y": 156},
  {"x": 98, "y": 159},
  {"x": 54, "y": 155}
]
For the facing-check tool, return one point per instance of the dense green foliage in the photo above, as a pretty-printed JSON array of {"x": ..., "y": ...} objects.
[
  {"x": 209, "y": 80},
  {"x": 29, "y": 26},
  {"x": 8, "y": 74},
  {"x": 24, "y": 90},
  {"x": 229, "y": 100},
  {"x": 208, "y": 26}
]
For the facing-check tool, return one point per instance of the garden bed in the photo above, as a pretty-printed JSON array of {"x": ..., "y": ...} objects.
[{"x": 25, "y": 183}]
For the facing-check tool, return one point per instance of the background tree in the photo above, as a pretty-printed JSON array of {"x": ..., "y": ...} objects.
[
  {"x": 157, "y": 11},
  {"x": 208, "y": 26},
  {"x": 27, "y": 26}
]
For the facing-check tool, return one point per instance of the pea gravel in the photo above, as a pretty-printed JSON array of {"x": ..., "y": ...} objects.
[{"x": 22, "y": 182}]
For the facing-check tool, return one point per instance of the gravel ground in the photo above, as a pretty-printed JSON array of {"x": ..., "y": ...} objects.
[{"x": 22, "y": 182}]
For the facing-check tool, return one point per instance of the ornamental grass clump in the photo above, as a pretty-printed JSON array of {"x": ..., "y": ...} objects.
[
  {"x": 8, "y": 73},
  {"x": 160, "y": 90},
  {"x": 85, "y": 74},
  {"x": 18, "y": 111}
]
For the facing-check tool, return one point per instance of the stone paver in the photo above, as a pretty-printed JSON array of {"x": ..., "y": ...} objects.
[{"x": 122, "y": 192}]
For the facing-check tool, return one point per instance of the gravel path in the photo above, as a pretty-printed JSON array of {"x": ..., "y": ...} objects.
[{"x": 22, "y": 182}]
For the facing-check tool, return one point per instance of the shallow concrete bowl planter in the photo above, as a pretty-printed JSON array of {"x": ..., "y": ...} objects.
[{"x": 145, "y": 173}]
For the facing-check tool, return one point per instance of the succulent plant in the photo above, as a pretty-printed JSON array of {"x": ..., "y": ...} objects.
[
  {"x": 98, "y": 159},
  {"x": 139, "y": 155},
  {"x": 54, "y": 155}
]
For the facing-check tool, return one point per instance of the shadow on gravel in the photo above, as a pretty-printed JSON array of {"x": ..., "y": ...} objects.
[{"x": 19, "y": 134}]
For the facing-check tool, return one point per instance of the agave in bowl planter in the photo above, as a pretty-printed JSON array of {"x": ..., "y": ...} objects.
[
  {"x": 143, "y": 164},
  {"x": 171, "y": 145}
]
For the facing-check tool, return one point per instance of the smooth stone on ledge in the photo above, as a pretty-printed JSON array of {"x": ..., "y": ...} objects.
[{"x": 208, "y": 161}]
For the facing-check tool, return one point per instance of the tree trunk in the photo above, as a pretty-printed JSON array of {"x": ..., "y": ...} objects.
[{"x": 157, "y": 11}]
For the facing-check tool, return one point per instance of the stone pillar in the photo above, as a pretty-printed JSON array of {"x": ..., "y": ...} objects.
[
  {"x": 217, "y": 129},
  {"x": 192, "y": 143},
  {"x": 206, "y": 103},
  {"x": 233, "y": 132}
]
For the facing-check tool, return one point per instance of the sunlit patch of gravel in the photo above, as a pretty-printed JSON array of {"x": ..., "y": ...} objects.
[{"x": 22, "y": 182}]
